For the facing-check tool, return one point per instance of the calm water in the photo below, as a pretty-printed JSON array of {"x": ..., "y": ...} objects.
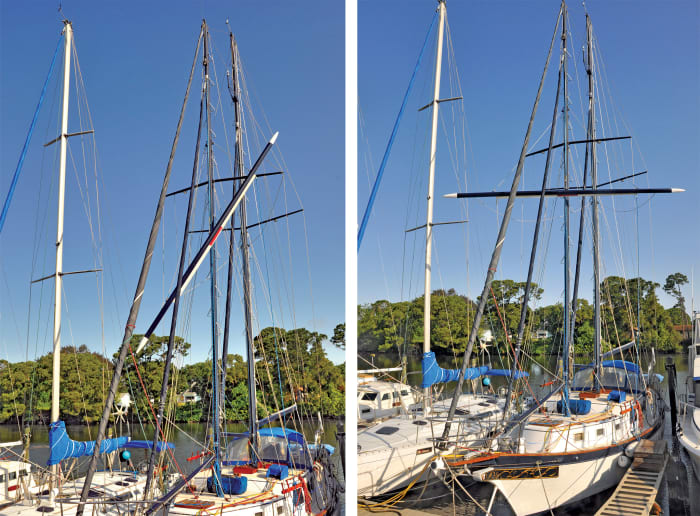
[
  {"x": 187, "y": 439},
  {"x": 679, "y": 481}
]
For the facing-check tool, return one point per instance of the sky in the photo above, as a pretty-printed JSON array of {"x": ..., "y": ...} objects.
[
  {"x": 648, "y": 55},
  {"x": 135, "y": 59}
]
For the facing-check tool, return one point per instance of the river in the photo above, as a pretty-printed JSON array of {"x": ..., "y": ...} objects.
[{"x": 677, "y": 494}]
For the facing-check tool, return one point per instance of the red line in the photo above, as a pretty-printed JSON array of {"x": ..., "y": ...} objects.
[
  {"x": 160, "y": 430},
  {"x": 216, "y": 235}
]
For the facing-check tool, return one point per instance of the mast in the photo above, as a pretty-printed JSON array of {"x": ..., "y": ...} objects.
[
  {"x": 245, "y": 255},
  {"x": 212, "y": 268},
  {"x": 594, "y": 201},
  {"x": 176, "y": 306},
  {"x": 533, "y": 251},
  {"x": 58, "y": 280},
  {"x": 136, "y": 303},
  {"x": 500, "y": 239},
  {"x": 431, "y": 185},
  {"x": 567, "y": 298}
]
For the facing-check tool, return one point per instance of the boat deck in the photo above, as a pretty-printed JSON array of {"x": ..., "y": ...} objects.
[{"x": 260, "y": 490}]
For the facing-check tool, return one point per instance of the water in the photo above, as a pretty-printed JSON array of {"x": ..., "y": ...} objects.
[
  {"x": 673, "y": 496},
  {"x": 187, "y": 438}
]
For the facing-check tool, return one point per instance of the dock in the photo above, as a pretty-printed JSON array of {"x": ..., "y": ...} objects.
[{"x": 636, "y": 493}]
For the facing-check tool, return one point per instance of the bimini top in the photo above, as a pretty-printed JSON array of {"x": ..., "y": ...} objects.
[
  {"x": 276, "y": 445},
  {"x": 616, "y": 374},
  {"x": 283, "y": 433},
  {"x": 621, "y": 364}
]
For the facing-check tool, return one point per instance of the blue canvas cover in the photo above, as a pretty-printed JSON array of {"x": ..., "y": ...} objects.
[
  {"x": 618, "y": 396},
  {"x": 279, "y": 471},
  {"x": 148, "y": 445},
  {"x": 622, "y": 364},
  {"x": 229, "y": 485},
  {"x": 433, "y": 373},
  {"x": 63, "y": 447},
  {"x": 507, "y": 373},
  {"x": 576, "y": 407}
]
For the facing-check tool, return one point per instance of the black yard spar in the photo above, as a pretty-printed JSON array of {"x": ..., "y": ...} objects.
[{"x": 585, "y": 191}]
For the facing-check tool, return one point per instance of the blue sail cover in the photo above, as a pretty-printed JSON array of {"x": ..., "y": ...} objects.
[
  {"x": 506, "y": 372},
  {"x": 63, "y": 447},
  {"x": 433, "y": 373},
  {"x": 148, "y": 445}
]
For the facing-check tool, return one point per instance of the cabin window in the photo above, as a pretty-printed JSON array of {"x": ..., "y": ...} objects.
[
  {"x": 404, "y": 392},
  {"x": 23, "y": 473},
  {"x": 396, "y": 395},
  {"x": 387, "y": 430},
  {"x": 366, "y": 410},
  {"x": 600, "y": 431},
  {"x": 12, "y": 475},
  {"x": 420, "y": 422},
  {"x": 369, "y": 396},
  {"x": 385, "y": 396},
  {"x": 578, "y": 437},
  {"x": 617, "y": 426}
]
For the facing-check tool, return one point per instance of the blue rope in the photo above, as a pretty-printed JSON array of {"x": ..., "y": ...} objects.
[
  {"x": 15, "y": 178},
  {"x": 380, "y": 173}
]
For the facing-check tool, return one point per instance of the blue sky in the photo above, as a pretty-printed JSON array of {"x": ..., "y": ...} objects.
[
  {"x": 652, "y": 67},
  {"x": 135, "y": 60}
]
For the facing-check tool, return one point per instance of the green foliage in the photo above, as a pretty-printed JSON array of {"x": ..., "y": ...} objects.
[
  {"x": 25, "y": 387},
  {"x": 338, "y": 338},
  {"x": 319, "y": 385},
  {"x": 384, "y": 326},
  {"x": 672, "y": 287}
]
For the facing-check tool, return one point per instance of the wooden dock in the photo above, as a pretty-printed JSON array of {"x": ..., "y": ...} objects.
[{"x": 636, "y": 493}]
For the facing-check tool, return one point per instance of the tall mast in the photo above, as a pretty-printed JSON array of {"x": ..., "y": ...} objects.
[
  {"x": 245, "y": 255},
  {"x": 567, "y": 298},
  {"x": 500, "y": 239},
  {"x": 58, "y": 280},
  {"x": 136, "y": 302},
  {"x": 431, "y": 185},
  {"x": 594, "y": 201},
  {"x": 212, "y": 267},
  {"x": 533, "y": 251}
]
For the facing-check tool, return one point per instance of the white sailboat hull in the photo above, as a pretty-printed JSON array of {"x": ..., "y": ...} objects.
[
  {"x": 394, "y": 453},
  {"x": 689, "y": 436},
  {"x": 113, "y": 492},
  {"x": 575, "y": 482}
]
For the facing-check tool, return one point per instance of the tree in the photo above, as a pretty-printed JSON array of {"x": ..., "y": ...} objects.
[
  {"x": 672, "y": 287},
  {"x": 338, "y": 338}
]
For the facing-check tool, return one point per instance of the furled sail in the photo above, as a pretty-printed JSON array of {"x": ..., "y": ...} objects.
[
  {"x": 63, "y": 447},
  {"x": 433, "y": 373}
]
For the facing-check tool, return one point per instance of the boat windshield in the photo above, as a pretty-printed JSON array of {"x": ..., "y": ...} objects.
[
  {"x": 611, "y": 378},
  {"x": 271, "y": 448}
]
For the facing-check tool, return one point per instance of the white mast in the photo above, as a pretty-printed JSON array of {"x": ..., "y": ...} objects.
[
  {"x": 56, "y": 383},
  {"x": 431, "y": 184}
]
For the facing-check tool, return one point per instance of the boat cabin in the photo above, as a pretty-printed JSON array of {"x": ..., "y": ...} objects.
[
  {"x": 13, "y": 474},
  {"x": 378, "y": 399}
]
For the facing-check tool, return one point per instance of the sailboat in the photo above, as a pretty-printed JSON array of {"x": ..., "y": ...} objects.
[
  {"x": 271, "y": 468},
  {"x": 398, "y": 452},
  {"x": 578, "y": 439},
  {"x": 689, "y": 423},
  {"x": 49, "y": 491}
]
